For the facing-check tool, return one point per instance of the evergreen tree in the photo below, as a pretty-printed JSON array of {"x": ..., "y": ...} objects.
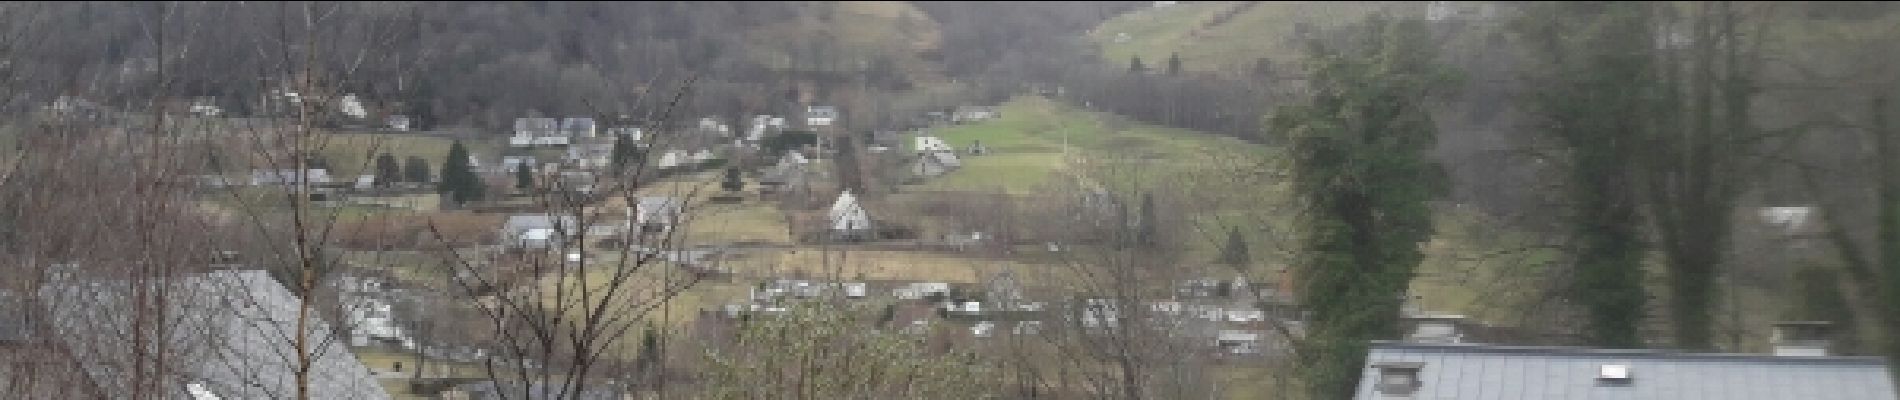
[
  {"x": 733, "y": 183},
  {"x": 458, "y": 180},
  {"x": 1597, "y": 84},
  {"x": 416, "y": 170},
  {"x": 1235, "y": 253},
  {"x": 388, "y": 171},
  {"x": 624, "y": 153},
  {"x": 1360, "y": 161},
  {"x": 524, "y": 177},
  {"x": 1134, "y": 65},
  {"x": 1174, "y": 64}
]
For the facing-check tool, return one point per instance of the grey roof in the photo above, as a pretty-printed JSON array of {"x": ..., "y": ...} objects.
[
  {"x": 945, "y": 159},
  {"x": 1466, "y": 371},
  {"x": 231, "y": 332}
]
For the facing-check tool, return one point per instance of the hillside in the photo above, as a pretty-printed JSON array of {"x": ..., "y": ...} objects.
[
  {"x": 1227, "y": 36},
  {"x": 1474, "y": 265}
]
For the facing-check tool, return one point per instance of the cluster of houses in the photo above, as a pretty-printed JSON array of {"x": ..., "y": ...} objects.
[{"x": 1230, "y": 321}]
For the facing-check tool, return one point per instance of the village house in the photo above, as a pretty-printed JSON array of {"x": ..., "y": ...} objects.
[
  {"x": 591, "y": 154},
  {"x": 289, "y": 177},
  {"x": 399, "y": 123},
  {"x": 369, "y": 310},
  {"x": 656, "y": 214},
  {"x": 537, "y": 132},
  {"x": 1800, "y": 368},
  {"x": 848, "y": 219},
  {"x": 969, "y": 114},
  {"x": 352, "y": 107},
  {"x": 935, "y": 164},
  {"x": 820, "y": 116},
  {"x": 577, "y": 127},
  {"x": 407, "y": 200},
  {"x": 673, "y": 159},
  {"x": 537, "y": 231},
  {"x": 1238, "y": 342},
  {"x": 934, "y": 157}
]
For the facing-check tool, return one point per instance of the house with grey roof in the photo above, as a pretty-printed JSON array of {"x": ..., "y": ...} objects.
[
  {"x": 225, "y": 335},
  {"x": 578, "y": 127},
  {"x": 817, "y": 116},
  {"x": 658, "y": 214},
  {"x": 537, "y": 231},
  {"x": 534, "y": 132},
  {"x": 934, "y": 164},
  {"x": 1799, "y": 369}
]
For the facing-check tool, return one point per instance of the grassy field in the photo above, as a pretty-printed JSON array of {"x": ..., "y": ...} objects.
[
  {"x": 350, "y": 153},
  {"x": 1264, "y": 29},
  {"x": 1027, "y": 146}
]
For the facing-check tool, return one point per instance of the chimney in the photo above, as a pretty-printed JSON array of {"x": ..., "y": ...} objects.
[
  {"x": 1803, "y": 338},
  {"x": 1435, "y": 328}
]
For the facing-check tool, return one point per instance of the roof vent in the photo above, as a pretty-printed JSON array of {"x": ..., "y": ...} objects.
[
  {"x": 1615, "y": 373},
  {"x": 1802, "y": 338},
  {"x": 1397, "y": 378}
]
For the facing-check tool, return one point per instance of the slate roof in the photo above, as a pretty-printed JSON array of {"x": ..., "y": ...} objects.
[
  {"x": 229, "y": 332},
  {"x": 1467, "y": 371}
]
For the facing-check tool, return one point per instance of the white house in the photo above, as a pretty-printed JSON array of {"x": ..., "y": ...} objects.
[
  {"x": 701, "y": 156},
  {"x": 205, "y": 107},
  {"x": 816, "y": 116},
  {"x": 658, "y": 214},
  {"x": 532, "y": 132},
  {"x": 352, "y": 107},
  {"x": 927, "y": 144},
  {"x": 672, "y": 159},
  {"x": 848, "y": 218},
  {"x": 793, "y": 159},
  {"x": 1100, "y": 313},
  {"x": 287, "y": 177},
  {"x": 372, "y": 318},
  {"x": 967, "y": 114},
  {"x": 1789, "y": 218},
  {"x": 1238, "y": 342},
  {"x": 537, "y": 231},
  {"x": 398, "y": 122}
]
